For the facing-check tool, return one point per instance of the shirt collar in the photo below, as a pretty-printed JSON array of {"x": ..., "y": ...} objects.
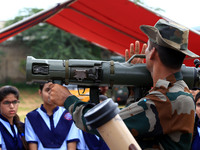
[
  {"x": 198, "y": 123},
  {"x": 178, "y": 76},
  {"x": 5, "y": 119},
  {"x": 169, "y": 80},
  {"x": 174, "y": 77},
  {"x": 44, "y": 110}
]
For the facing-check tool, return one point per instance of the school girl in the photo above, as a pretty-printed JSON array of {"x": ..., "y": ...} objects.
[
  {"x": 196, "y": 134},
  {"x": 11, "y": 129},
  {"x": 50, "y": 126}
]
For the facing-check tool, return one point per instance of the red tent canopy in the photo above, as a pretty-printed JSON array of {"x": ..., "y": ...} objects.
[{"x": 109, "y": 23}]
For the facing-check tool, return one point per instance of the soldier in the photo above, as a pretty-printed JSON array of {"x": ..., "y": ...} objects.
[{"x": 164, "y": 118}]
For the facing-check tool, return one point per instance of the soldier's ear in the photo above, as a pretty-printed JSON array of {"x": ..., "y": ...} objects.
[{"x": 153, "y": 53}]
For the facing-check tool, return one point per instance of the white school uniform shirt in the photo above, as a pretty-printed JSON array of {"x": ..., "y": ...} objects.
[
  {"x": 7, "y": 125},
  {"x": 31, "y": 136}
]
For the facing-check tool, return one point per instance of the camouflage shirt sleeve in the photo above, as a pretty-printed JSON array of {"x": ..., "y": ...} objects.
[{"x": 77, "y": 109}]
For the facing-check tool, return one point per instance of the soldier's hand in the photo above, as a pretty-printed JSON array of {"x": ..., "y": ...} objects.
[
  {"x": 58, "y": 94},
  {"x": 132, "y": 51}
]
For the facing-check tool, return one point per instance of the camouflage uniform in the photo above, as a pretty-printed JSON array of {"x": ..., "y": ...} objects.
[{"x": 163, "y": 119}]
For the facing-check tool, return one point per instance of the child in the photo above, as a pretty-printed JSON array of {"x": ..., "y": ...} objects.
[
  {"x": 11, "y": 129},
  {"x": 49, "y": 126},
  {"x": 196, "y": 134}
]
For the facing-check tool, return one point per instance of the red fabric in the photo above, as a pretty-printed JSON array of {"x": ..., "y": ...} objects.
[
  {"x": 113, "y": 25},
  {"x": 109, "y": 23},
  {"x": 22, "y": 25}
]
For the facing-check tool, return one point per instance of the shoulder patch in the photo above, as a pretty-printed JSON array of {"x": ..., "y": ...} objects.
[{"x": 68, "y": 116}]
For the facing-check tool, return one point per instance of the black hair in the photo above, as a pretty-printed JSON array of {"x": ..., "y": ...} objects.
[
  {"x": 197, "y": 97},
  {"x": 4, "y": 91},
  {"x": 195, "y": 132},
  {"x": 41, "y": 86},
  {"x": 169, "y": 57}
]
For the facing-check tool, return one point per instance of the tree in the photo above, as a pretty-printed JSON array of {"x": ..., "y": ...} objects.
[{"x": 47, "y": 41}]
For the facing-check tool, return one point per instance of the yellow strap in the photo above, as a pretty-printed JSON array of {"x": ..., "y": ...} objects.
[{"x": 66, "y": 72}]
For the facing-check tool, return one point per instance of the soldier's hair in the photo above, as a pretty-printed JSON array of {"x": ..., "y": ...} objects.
[{"x": 169, "y": 57}]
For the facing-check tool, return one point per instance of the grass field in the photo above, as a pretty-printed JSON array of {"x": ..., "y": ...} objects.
[{"x": 29, "y": 100}]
